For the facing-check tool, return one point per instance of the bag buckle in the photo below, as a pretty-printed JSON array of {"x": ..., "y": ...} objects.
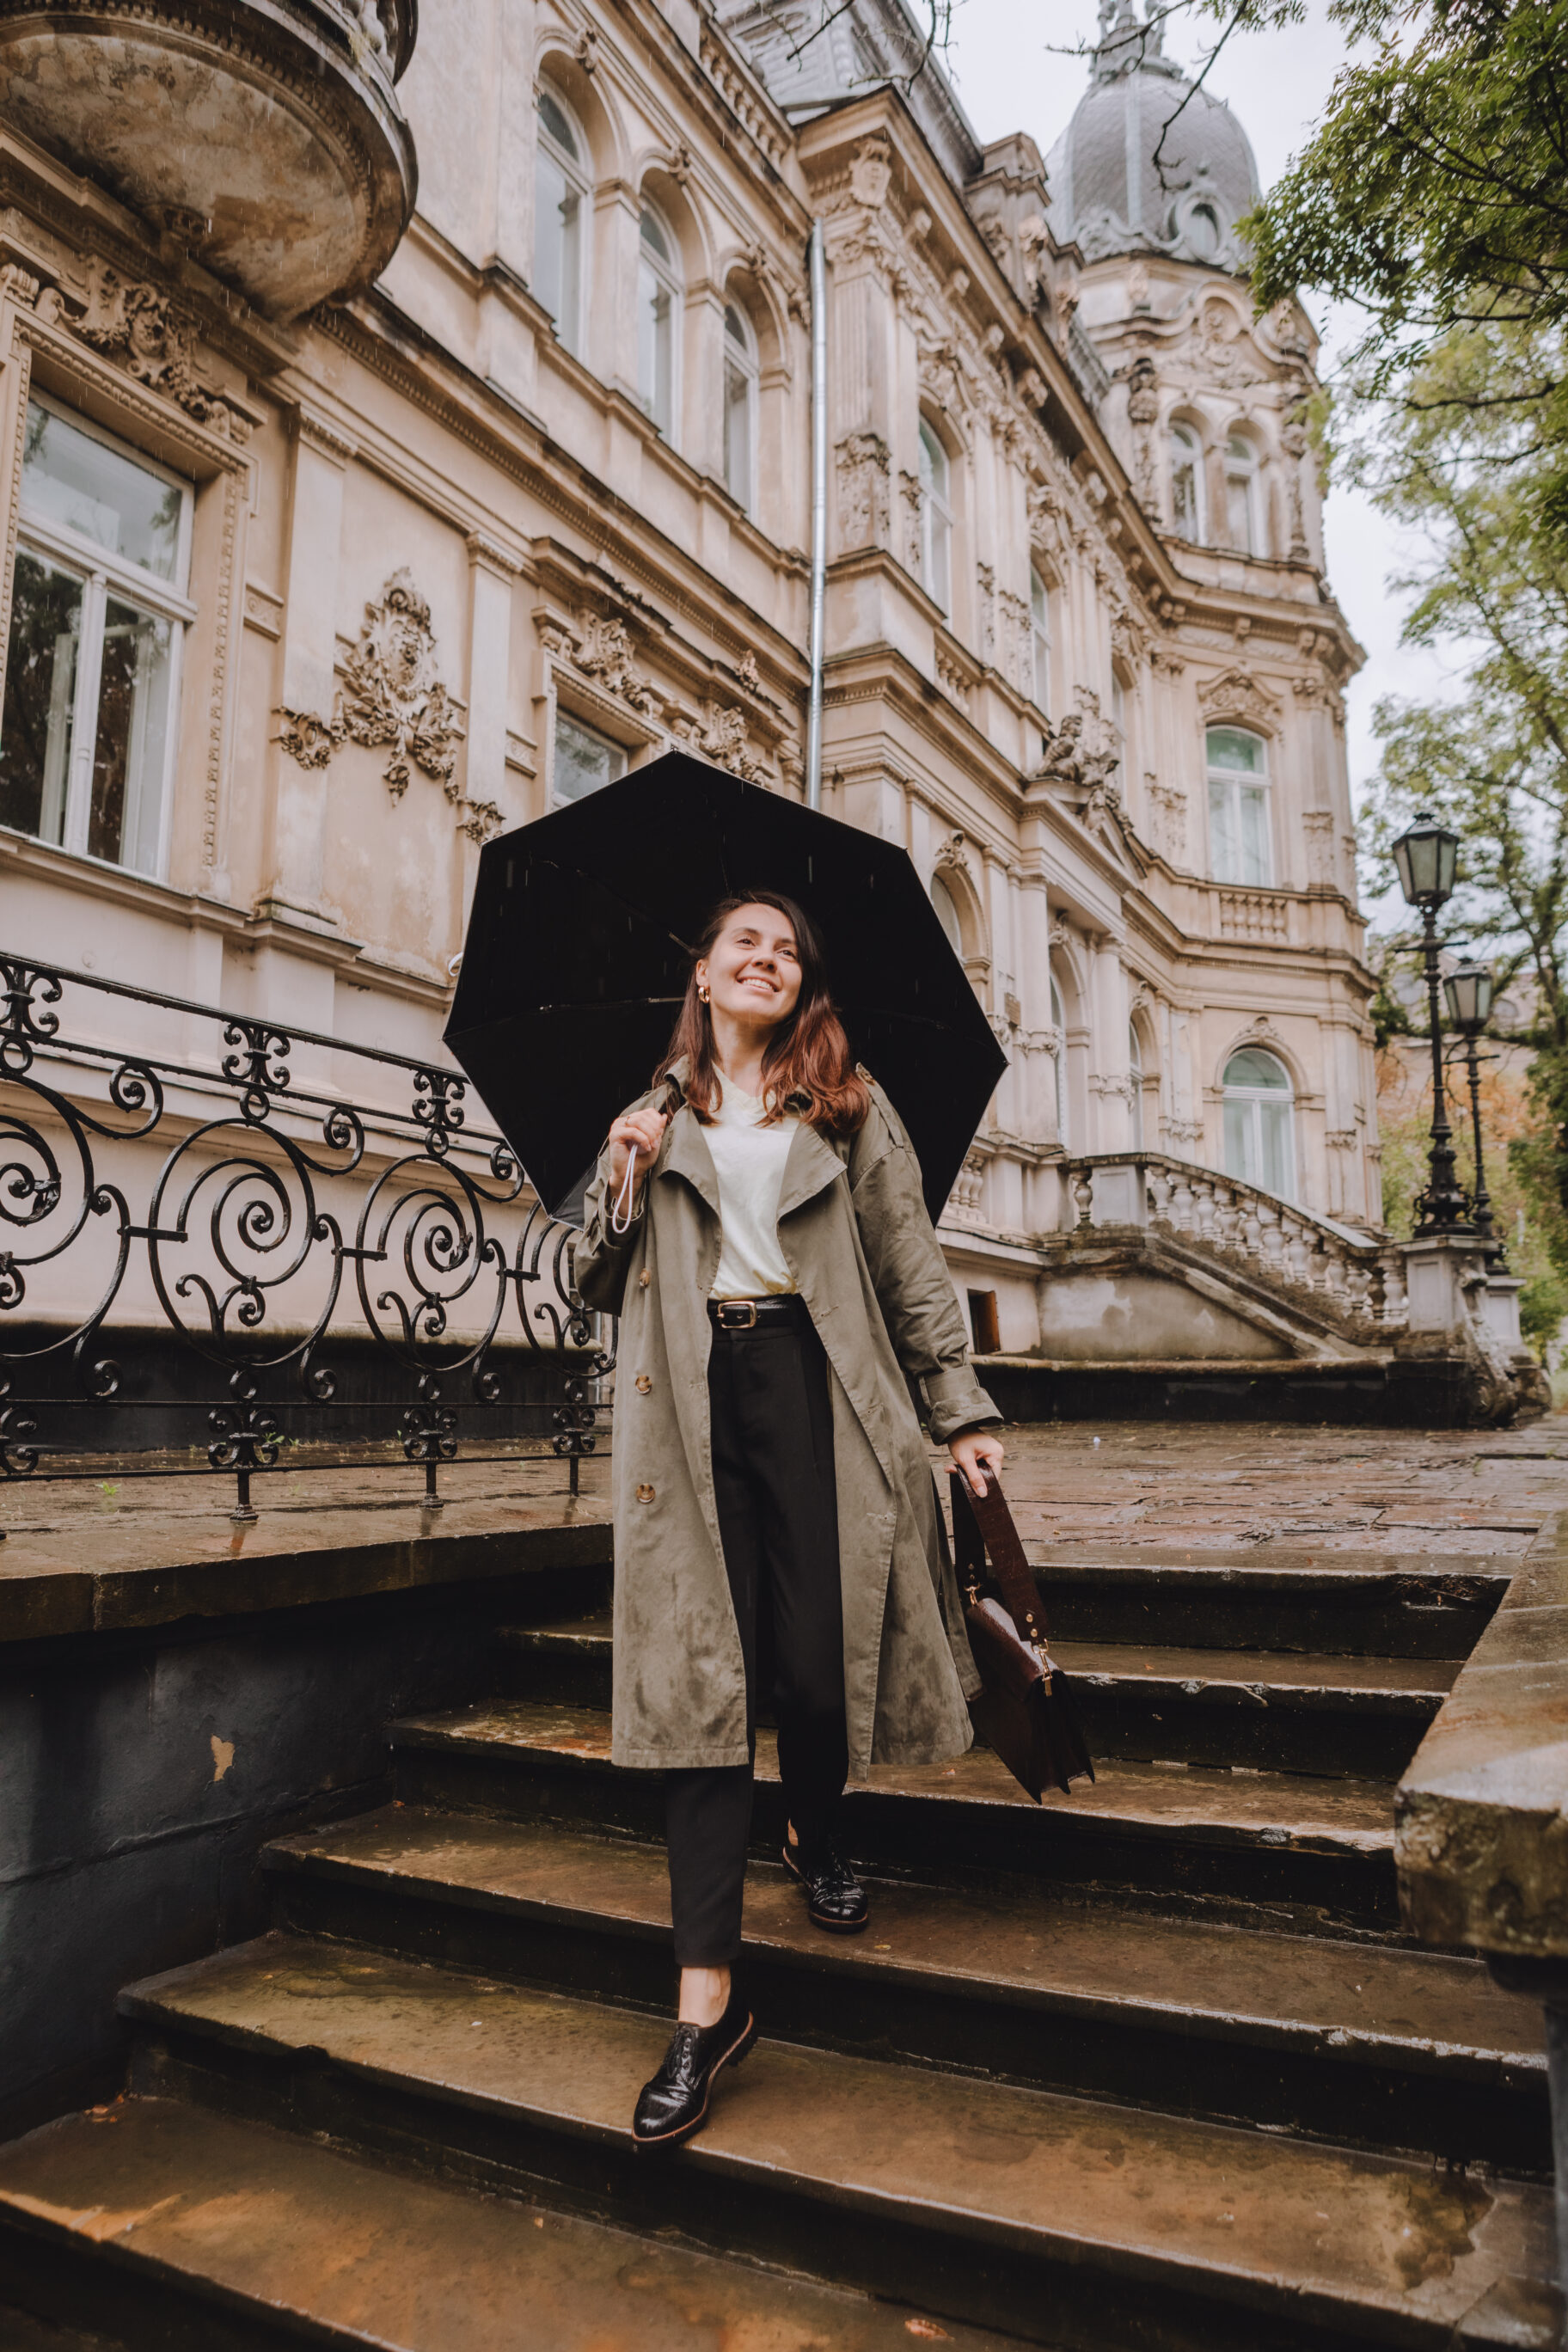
[{"x": 737, "y": 1314}]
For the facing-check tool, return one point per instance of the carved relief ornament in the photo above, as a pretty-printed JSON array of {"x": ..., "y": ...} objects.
[
  {"x": 141, "y": 328},
  {"x": 1238, "y": 694},
  {"x": 391, "y": 695},
  {"x": 600, "y": 647},
  {"x": 863, "y": 469}
]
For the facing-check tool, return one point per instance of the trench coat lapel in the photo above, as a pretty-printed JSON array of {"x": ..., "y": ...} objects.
[{"x": 686, "y": 1154}]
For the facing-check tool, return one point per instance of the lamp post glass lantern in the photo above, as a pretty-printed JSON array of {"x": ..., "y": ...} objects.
[
  {"x": 1469, "y": 993},
  {"x": 1425, "y": 858}
]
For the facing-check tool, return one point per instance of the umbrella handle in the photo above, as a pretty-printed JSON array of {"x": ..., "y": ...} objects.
[{"x": 621, "y": 1212}]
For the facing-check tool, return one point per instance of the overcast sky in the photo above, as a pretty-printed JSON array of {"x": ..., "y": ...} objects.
[{"x": 1006, "y": 65}]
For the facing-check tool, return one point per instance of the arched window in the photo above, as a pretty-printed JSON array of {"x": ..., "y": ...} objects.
[
  {"x": 739, "y": 406},
  {"x": 659, "y": 310},
  {"x": 1060, "y": 1023},
  {"x": 936, "y": 519},
  {"x": 1241, "y": 501},
  {"x": 946, "y": 905},
  {"x": 1040, "y": 634},
  {"x": 1135, "y": 1070},
  {"x": 560, "y": 192},
  {"x": 1188, "y": 484},
  {"x": 1240, "y": 849},
  {"x": 1259, "y": 1145},
  {"x": 1202, "y": 232}
]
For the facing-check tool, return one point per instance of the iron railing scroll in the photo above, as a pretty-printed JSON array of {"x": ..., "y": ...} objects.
[{"x": 223, "y": 1236}]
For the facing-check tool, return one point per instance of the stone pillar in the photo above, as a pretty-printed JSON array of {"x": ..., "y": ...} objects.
[
  {"x": 1109, "y": 1076},
  {"x": 1438, "y": 1273},
  {"x": 485, "y": 804},
  {"x": 307, "y": 665}
]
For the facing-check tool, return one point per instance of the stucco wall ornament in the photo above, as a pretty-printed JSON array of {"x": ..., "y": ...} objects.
[
  {"x": 391, "y": 696},
  {"x": 1238, "y": 694},
  {"x": 863, "y": 483},
  {"x": 913, "y": 501},
  {"x": 1083, "y": 752},
  {"x": 1168, "y": 819},
  {"x": 137, "y": 326},
  {"x": 871, "y": 171}
]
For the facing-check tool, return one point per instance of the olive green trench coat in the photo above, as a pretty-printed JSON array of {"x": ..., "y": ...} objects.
[{"x": 854, "y": 1232}]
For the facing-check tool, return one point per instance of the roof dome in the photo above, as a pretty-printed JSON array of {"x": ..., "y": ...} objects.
[{"x": 1109, "y": 193}]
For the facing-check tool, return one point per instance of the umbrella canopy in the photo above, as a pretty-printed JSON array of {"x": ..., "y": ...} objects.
[{"x": 580, "y": 943}]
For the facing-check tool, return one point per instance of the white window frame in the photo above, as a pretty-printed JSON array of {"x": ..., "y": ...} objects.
[
  {"x": 103, "y": 576},
  {"x": 936, "y": 517},
  {"x": 1242, "y": 469},
  {"x": 619, "y": 756},
  {"x": 659, "y": 271},
  {"x": 574, "y": 170},
  {"x": 1253, "y": 1099},
  {"x": 1186, "y": 447},
  {"x": 1041, "y": 640},
  {"x": 742, "y": 358},
  {"x": 1234, "y": 782}
]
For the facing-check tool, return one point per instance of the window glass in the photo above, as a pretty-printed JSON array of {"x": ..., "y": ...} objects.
[
  {"x": 1240, "y": 847},
  {"x": 1186, "y": 484},
  {"x": 657, "y": 286},
  {"x": 1040, "y": 628},
  {"x": 40, "y": 696},
  {"x": 739, "y": 406},
  {"x": 72, "y": 478},
  {"x": 1241, "y": 468},
  {"x": 942, "y": 898},
  {"x": 560, "y": 190},
  {"x": 1258, "y": 1141},
  {"x": 584, "y": 760},
  {"x": 936, "y": 520},
  {"x": 92, "y": 663}
]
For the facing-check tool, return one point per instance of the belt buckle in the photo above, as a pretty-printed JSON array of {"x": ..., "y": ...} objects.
[{"x": 737, "y": 1314}]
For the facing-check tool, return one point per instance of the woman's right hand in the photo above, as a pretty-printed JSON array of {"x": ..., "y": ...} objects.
[{"x": 640, "y": 1131}]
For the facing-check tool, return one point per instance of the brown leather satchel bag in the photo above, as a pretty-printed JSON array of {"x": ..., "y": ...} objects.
[{"x": 1027, "y": 1710}]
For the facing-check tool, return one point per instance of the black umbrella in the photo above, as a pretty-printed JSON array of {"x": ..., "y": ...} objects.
[{"x": 580, "y": 941}]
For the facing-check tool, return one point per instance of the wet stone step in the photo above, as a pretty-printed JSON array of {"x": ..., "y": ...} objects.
[
  {"x": 1261, "y": 1596},
  {"x": 1280, "y": 1710},
  {"x": 1320, "y": 1848},
  {"x": 197, "y": 2231},
  {"x": 1072, "y": 2221},
  {"x": 1347, "y": 2040}
]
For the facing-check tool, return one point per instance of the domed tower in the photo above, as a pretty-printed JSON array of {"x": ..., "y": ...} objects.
[{"x": 1151, "y": 180}]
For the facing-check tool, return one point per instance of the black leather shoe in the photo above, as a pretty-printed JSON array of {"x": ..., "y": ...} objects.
[
  {"x": 835, "y": 1897},
  {"x": 674, "y": 2104}
]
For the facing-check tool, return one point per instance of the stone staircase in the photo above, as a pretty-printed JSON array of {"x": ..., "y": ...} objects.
[{"x": 1147, "y": 2067}]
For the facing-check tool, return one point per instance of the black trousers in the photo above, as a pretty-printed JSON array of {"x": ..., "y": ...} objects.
[{"x": 778, "y": 1515}]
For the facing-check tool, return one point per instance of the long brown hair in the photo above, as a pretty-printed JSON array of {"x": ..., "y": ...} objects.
[{"x": 808, "y": 1064}]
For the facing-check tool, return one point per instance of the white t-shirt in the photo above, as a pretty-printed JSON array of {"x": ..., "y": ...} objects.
[{"x": 750, "y": 1161}]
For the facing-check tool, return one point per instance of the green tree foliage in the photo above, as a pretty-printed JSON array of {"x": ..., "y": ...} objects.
[{"x": 1435, "y": 193}]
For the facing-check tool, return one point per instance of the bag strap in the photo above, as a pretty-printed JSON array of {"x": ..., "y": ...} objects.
[{"x": 983, "y": 1524}]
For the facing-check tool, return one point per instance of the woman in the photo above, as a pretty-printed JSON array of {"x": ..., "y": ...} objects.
[{"x": 757, "y": 1222}]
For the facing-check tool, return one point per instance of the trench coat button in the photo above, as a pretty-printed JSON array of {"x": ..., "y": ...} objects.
[
  {"x": 645, "y": 1494},
  {"x": 644, "y": 1278},
  {"x": 644, "y": 1384}
]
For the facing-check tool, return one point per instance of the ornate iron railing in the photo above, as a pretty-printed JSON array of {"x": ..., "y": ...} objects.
[{"x": 215, "y": 1222}]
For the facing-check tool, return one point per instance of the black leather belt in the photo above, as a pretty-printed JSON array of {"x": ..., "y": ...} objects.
[{"x": 754, "y": 1314}]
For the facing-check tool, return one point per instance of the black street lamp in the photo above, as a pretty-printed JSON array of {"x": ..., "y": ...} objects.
[
  {"x": 1469, "y": 993},
  {"x": 1427, "y": 857}
]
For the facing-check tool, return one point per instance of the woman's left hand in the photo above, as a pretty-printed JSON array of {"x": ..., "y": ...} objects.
[{"x": 976, "y": 1451}]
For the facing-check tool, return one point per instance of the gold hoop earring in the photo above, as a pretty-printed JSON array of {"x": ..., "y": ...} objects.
[{"x": 702, "y": 996}]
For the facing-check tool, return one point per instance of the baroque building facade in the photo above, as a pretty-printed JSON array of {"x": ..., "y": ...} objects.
[{"x": 321, "y": 573}]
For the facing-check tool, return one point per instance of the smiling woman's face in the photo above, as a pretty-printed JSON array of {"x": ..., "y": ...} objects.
[{"x": 752, "y": 971}]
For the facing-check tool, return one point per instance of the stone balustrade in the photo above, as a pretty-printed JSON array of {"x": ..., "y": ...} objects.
[{"x": 1356, "y": 1282}]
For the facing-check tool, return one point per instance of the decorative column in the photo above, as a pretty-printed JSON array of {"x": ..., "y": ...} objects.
[{"x": 306, "y": 666}]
